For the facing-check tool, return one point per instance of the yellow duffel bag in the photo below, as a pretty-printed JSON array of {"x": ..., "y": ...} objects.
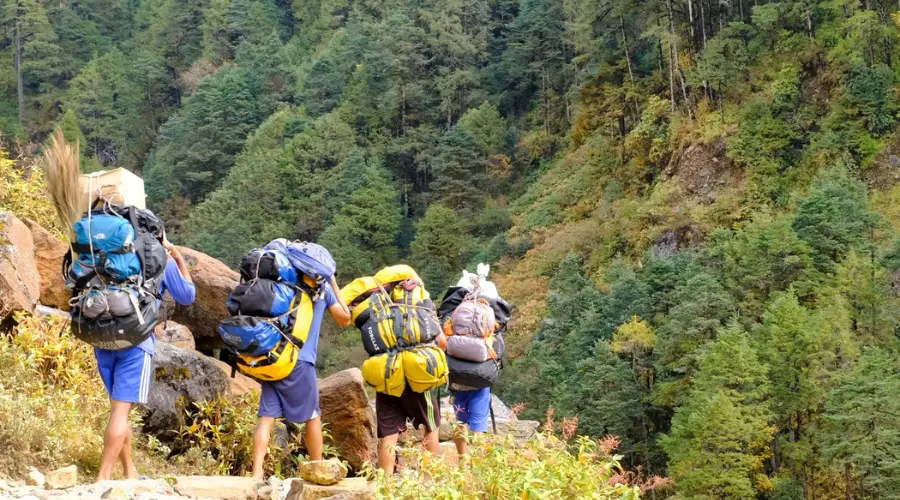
[
  {"x": 356, "y": 295},
  {"x": 425, "y": 367},
  {"x": 274, "y": 365},
  {"x": 384, "y": 373},
  {"x": 280, "y": 361},
  {"x": 399, "y": 272}
]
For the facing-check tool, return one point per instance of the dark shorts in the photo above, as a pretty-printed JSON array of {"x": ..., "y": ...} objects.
[
  {"x": 296, "y": 397},
  {"x": 419, "y": 407}
]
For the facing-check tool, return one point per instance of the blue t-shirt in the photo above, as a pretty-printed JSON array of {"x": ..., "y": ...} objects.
[
  {"x": 310, "y": 350},
  {"x": 182, "y": 290}
]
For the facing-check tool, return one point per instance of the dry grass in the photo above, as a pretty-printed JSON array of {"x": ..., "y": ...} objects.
[{"x": 62, "y": 161}]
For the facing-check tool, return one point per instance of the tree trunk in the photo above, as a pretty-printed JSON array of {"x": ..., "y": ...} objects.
[
  {"x": 627, "y": 54},
  {"x": 848, "y": 483},
  {"x": 702, "y": 22},
  {"x": 809, "y": 24},
  {"x": 545, "y": 103},
  {"x": 20, "y": 81},
  {"x": 637, "y": 108},
  {"x": 403, "y": 109},
  {"x": 673, "y": 53},
  {"x": 691, "y": 20}
]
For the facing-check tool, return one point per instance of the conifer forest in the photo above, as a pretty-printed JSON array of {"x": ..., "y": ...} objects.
[{"x": 693, "y": 205}]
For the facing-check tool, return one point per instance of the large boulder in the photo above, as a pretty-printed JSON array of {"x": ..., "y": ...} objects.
[
  {"x": 20, "y": 283},
  {"x": 240, "y": 383},
  {"x": 48, "y": 256},
  {"x": 351, "y": 421},
  {"x": 176, "y": 334},
  {"x": 180, "y": 378},
  {"x": 214, "y": 281}
]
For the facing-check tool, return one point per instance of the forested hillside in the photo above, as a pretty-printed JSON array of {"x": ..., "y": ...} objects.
[{"x": 693, "y": 204}]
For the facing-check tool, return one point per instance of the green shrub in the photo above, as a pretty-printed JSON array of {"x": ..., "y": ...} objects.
[{"x": 498, "y": 468}]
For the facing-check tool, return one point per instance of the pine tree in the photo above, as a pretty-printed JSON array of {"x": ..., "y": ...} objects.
[
  {"x": 702, "y": 307},
  {"x": 437, "y": 249},
  {"x": 106, "y": 102},
  {"x": 459, "y": 171},
  {"x": 31, "y": 51},
  {"x": 606, "y": 397},
  {"x": 859, "y": 435},
  {"x": 805, "y": 351},
  {"x": 362, "y": 235},
  {"x": 487, "y": 127},
  {"x": 279, "y": 187},
  {"x": 834, "y": 217},
  {"x": 719, "y": 437},
  {"x": 199, "y": 144},
  {"x": 763, "y": 257}
]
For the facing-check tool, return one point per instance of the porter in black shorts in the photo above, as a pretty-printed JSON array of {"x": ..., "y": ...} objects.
[{"x": 419, "y": 407}]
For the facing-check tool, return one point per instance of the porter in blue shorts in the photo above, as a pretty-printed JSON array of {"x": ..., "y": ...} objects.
[
  {"x": 296, "y": 397},
  {"x": 473, "y": 408},
  {"x": 127, "y": 373}
]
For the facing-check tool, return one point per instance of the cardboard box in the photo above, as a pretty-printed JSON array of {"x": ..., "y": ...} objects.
[{"x": 119, "y": 186}]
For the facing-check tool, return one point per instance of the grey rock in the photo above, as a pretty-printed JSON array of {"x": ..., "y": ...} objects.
[{"x": 180, "y": 377}]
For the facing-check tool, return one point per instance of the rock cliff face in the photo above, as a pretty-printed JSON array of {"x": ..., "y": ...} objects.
[
  {"x": 48, "y": 255},
  {"x": 20, "y": 282}
]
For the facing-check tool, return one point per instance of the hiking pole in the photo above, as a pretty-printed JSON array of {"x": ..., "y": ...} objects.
[{"x": 491, "y": 406}]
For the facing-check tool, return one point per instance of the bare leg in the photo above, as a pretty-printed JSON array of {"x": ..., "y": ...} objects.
[
  {"x": 117, "y": 432},
  {"x": 261, "y": 444},
  {"x": 462, "y": 440},
  {"x": 314, "y": 438},
  {"x": 432, "y": 442},
  {"x": 125, "y": 457},
  {"x": 387, "y": 453},
  {"x": 462, "y": 444}
]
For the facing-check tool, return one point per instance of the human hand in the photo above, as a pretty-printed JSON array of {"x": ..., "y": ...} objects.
[{"x": 166, "y": 243}]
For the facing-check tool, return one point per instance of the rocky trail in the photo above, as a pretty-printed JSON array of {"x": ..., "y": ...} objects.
[{"x": 195, "y": 487}]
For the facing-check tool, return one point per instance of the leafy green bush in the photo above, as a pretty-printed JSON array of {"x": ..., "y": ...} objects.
[
  {"x": 23, "y": 191},
  {"x": 498, "y": 468}
]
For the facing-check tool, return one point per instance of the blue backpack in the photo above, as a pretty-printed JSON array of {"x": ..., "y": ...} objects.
[
  {"x": 252, "y": 335},
  {"x": 115, "y": 270},
  {"x": 262, "y": 317}
]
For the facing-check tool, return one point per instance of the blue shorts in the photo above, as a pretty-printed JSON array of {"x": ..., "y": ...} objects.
[
  {"x": 126, "y": 373},
  {"x": 296, "y": 397},
  {"x": 473, "y": 408}
]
